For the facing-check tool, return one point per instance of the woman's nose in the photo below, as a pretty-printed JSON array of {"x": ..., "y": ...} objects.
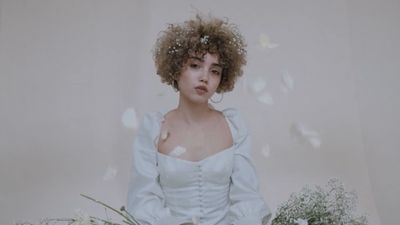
[{"x": 204, "y": 76}]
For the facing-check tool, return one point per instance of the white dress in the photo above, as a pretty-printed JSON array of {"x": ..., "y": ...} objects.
[{"x": 221, "y": 189}]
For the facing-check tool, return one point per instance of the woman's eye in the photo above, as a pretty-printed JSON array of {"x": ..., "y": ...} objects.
[
  {"x": 194, "y": 65},
  {"x": 216, "y": 72}
]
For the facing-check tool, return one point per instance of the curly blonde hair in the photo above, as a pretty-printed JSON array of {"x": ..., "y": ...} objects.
[{"x": 200, "y": 36}]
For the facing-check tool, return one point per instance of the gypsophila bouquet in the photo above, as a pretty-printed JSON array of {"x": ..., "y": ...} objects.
[
  {"x": 82, "y": 218},
  {"x": 331, "y": 205}
]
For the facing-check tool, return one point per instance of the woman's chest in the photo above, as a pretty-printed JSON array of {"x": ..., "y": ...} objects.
[
  {"x": 194, "y": 143},
  {"x": 212, "y": 170}
]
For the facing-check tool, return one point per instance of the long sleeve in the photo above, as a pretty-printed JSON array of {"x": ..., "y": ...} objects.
[
  {"x": 145, "y": 196},
  {"x": 247, "y": 205}
]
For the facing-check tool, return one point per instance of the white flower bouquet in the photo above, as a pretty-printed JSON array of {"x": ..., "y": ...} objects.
[
  {"x": 82, "y": 218},
  {"x": 331, "y": 205}
]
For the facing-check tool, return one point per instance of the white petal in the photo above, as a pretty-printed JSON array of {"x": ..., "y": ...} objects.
[
  {"x": 287, "y": 82},
  {"x": 244, "y": 84},
  {"x": 273, "y": 45},
  {"x": 195, "y": 220},
  {"x": 164, "y": 135},
  {"x": 129, "y": 119},
  {"x": 258, "y": 84},
  {"x": 315, "y": 141},
  {"x": 179, "y": 150},
  {"x": 110, "y": 173},
  {"x": 265, "y": 42},
  {"x": 304, "y": 134},
  {"x": 265, "y": 151},
  {"x": 265, "y": 98}
]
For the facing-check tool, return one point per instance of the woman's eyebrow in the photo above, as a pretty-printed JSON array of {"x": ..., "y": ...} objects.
[
  {"x": 196, "y": 58},
  {"x": 202, "y": 60},
  {"x": 217, "y": 65}
]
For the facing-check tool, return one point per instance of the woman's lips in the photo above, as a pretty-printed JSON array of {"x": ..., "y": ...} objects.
[{"x": 201, "y": 90}]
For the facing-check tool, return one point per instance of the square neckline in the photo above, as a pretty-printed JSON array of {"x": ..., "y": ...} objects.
[{"x": 228, "y": 149}]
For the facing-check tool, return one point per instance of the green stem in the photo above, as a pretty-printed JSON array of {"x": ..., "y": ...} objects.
[{"x": 109, "y": 207}]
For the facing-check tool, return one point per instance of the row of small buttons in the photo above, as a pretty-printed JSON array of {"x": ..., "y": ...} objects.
[{"x": 200, "y": 185}]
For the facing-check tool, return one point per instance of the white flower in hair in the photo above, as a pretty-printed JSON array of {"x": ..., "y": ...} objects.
[{"x": 204, "y": 39}]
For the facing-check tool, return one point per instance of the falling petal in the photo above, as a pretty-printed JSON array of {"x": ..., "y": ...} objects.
[
  {"x": 304, "y": 134},
  {"x": 178, "y": 151},
  {"x": 287, "y": 82},
  {"x": 243, "y": 82},
  {"x": 265, "y": 151},
  {"x": 315, "y": 142},
  {"x": 266, "y": 98},
  {"x": 265, "y": 42},
  {"x": 164, "y": 135},
  {"x": 258, "y": 84},
  {"x": 110, "y": 173},
  {"x": 195, "y": 220},
  {"x": 129, "y": 119}
]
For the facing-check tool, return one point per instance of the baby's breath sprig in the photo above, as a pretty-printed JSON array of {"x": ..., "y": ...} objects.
[
  {"x": 320, "y": 206},
  {"x": 82, "y": 218}
]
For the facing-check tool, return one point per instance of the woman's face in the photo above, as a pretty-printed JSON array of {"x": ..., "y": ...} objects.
[{"x": 200, "y": 77}]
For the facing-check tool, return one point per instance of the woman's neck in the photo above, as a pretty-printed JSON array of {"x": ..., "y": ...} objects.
[{"x": 193, "y": 113}]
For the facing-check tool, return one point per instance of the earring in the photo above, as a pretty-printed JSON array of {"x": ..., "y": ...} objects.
[{"x": 220, "y": 99}]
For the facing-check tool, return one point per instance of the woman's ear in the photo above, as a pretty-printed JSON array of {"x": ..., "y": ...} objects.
[{"x": 176, "y": 87}]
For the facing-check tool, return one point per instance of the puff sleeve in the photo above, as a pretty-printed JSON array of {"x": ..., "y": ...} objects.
[
  {"x": 247, "y": 205},
  {"x": 145, "y": 196}
]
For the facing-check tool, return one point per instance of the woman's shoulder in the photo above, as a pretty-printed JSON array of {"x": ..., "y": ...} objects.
[
  {"x": 150, "y": 122},
  {"x": 237, "y": 122}
]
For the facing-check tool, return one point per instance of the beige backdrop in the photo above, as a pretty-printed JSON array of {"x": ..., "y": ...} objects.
[{"x": 70, "y": 71}]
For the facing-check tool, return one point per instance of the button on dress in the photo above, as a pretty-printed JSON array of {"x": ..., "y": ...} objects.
[{"x": 221, "y": 189}]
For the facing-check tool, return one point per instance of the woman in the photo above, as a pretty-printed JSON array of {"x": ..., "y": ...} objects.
[{"x": 192, "y": 165}]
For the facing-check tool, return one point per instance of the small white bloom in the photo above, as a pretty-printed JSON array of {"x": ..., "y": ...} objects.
[
  {"x": 301, "y": 222},
  {"x": 265, "y": 42},
  {"x": 82, "y": 218},
  {"x": 110, "y": 173},
  {"x": 129, "y": 119},
  {"x": 265, "y": 98},
  {"x": 204, "y": 40},
  {"x": 179, "y": 150}
]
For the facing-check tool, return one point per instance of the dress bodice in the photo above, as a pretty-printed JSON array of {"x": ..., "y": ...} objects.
[
  {"x": 197, "y": 190},
  {"x": 221, "y": 189}
]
